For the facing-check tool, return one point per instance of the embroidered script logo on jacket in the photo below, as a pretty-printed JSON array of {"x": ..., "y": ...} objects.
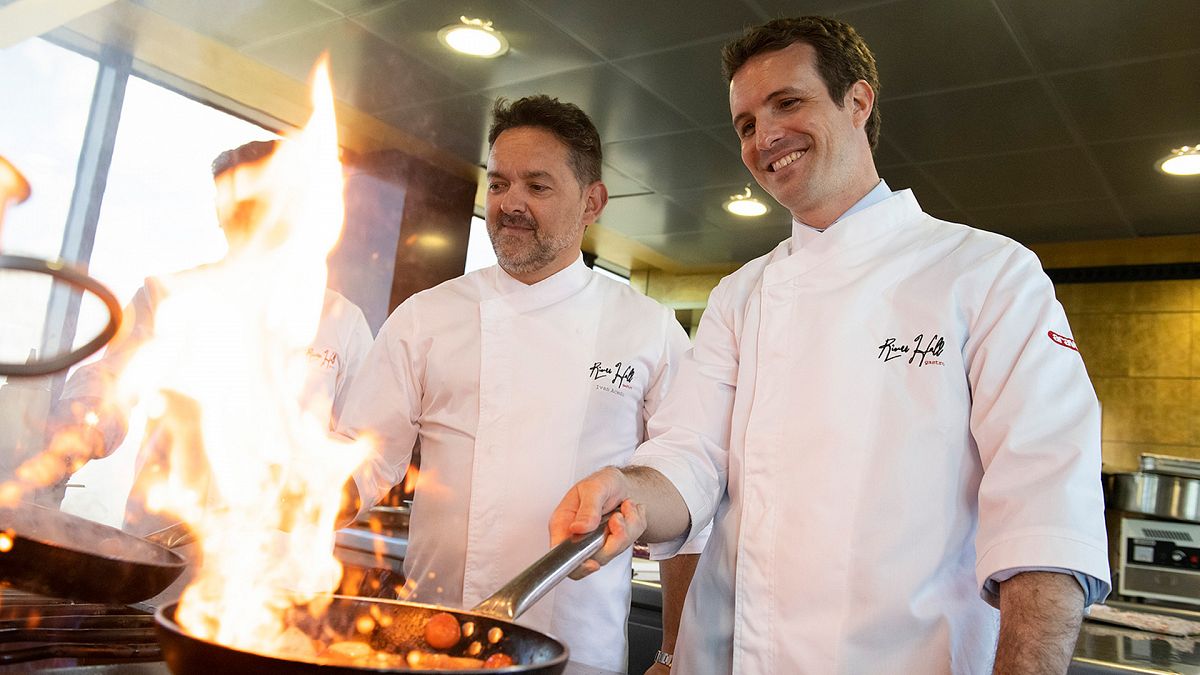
[
  {"x": 325, "y": 359},
  {"x": 920, "y": 350},
  {"x": 611, "y": 378}
]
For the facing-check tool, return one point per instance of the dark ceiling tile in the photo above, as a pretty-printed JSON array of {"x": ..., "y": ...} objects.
[
  {"x": 750, "y": 244},
  {"x": 886, "y": 154},
  {"x": 786, "y": 8},
  {"x": 688, "y": 78},
  {"x": 352, "y": 7},
  {"x": 618, "y": 28},
  {"x": 536, "y": 47},
  {"x": 620, "y": 185},
  {"x": 1058, "y": 175},
  {"x": 909, "y": 177},
  {"x": 926, "y": 45},
  {"x": 1155, "y": 215},
  {"x": 662, "y": 107},
  {"x": 1066, "y": 221},
  {"x": 238, "y": 23},
  {"x": 1082, "y": 33},
  {"x": 677, "y": 162},
  {"x": 1000, "y": 118},
  {"x": 710, "y": 247},
  {"x": 945, "y": 213},
  {"x": 708, "y": 203},
  {"x": 1144, "y": 99},
  {"x": 367, "y": 71},
  {"x": 648, "y": 214},
  {"x": 619, "y": 107},
  {"x": 691, "y": 249},
  {"x": 1129, "y": 166},
  {"x": 458, "y": 125},
  {"x": 726, "y": 137}
]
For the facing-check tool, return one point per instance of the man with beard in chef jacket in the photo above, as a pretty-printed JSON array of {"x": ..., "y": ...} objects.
[
  {"x": 885, "y": 418},
  {"x": 518, "y": 380},
  {"x": 341, "y": 342}
]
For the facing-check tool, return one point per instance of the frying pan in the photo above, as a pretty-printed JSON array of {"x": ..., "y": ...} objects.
[
  {"x": 404, "y": 627},
  {"x": 59, "y": 554}
]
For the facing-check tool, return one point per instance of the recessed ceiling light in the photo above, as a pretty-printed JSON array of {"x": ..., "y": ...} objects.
[
  {"x": 746, "y": 205},
  {"x": 1183, "y": 161},
  {"x": 474, "y": 37}
]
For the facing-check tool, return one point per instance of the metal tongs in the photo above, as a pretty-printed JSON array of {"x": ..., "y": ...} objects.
[{"x": 14, "y": 189}]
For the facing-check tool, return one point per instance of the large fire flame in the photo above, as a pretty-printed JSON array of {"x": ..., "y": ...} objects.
[{"x": 255, "y": 475}]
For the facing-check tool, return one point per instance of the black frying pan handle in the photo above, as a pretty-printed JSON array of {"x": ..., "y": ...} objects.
[{"x": 536, "y": 581}]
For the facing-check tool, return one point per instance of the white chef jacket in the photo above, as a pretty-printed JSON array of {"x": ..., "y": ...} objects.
[
  {"x": 337, "y": 350},
  {"x": 877, "y": 422},
  {"x": 516, "y": 392}
]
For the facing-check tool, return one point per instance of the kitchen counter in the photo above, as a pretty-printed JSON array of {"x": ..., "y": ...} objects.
[
  {"x": 364, "y": 548},
  {"x": 160, "y": 668},
  {"x": 1103, "y": 649}
]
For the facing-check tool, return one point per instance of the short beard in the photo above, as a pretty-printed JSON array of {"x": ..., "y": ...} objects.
[{"x": 516, "y": 258}]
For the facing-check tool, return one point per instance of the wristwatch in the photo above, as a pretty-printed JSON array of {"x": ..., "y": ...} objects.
[{"x": 664, "y": 658}]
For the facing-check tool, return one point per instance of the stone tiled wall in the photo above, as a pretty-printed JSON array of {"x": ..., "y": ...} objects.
[
  {"x": 1141, "y": 344},
  {"x": 1140, "y": 341}
]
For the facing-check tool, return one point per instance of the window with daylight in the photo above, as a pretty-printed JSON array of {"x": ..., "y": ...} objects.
[
  {"x": 479, "y": 247},
  {"x": 41, "y": 133},
  {"x": 121, "y": 187},
  {"x": 158, "y": 214}
]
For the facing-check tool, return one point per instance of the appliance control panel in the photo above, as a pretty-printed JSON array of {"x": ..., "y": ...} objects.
[
  {"x": 1162, "y": 554},
  {"x": 1160, "y": 559}
]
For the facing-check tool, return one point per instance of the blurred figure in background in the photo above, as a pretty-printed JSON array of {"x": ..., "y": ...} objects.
[{"x": 93, "y": 409}]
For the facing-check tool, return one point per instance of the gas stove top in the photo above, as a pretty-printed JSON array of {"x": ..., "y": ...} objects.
[
  {"x": 47, "y": 634},
  {"x": 51, "y": 635}
]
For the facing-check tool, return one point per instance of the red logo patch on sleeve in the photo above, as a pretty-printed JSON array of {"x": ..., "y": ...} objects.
[{"x": 1062, "y": 340}]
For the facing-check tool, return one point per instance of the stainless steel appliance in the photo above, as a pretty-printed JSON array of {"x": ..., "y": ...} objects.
[
  {"x": 1158, "y": 537},
  {"x": 1165, "y": 487},
  {"x": 1160, "y": 560}
]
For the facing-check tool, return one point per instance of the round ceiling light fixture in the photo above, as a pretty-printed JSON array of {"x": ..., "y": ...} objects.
[
  {"x": 474, "y": 37},
  {"x": 1183, "y": 161},
  {"x": 746, "y": 205}
]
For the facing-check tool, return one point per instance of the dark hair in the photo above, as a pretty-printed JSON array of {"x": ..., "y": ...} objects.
[
  {"x": 843, "y": 57},
  {"x": 243, "y": 154},
  {"x": 565, "y": 120}
]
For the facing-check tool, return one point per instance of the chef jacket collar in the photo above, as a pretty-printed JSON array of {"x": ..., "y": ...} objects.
[
  {"x": 558, "y": 286},
  {"x": 802, "y": 234},
  {"x": 856, "y": 240}
]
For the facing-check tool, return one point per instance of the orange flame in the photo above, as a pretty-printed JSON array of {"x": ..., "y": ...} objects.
[{"x": 255, "y": 475}]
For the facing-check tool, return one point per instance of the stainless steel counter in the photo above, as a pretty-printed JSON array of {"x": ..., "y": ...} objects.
[
  {"x": 1101, "y": 650},
  {"x": 580, "y": 669},
  {"x": 1104, "y": 649},
  {"x": 160, "y": 668},
  {"x": 361, "y": 547}
]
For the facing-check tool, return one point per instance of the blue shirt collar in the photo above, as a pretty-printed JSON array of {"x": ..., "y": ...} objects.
[{"x": 880, "y": 192}]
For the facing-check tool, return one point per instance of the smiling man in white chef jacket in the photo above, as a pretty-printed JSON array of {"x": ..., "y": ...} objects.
[
  {"x": 885, "y": 418},
  {"x": 518, "y": 380}
]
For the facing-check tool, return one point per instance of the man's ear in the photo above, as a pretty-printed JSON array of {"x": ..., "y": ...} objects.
[
  {"x": 595, "y": 199},
  {"x": 860, "y": 97}
]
